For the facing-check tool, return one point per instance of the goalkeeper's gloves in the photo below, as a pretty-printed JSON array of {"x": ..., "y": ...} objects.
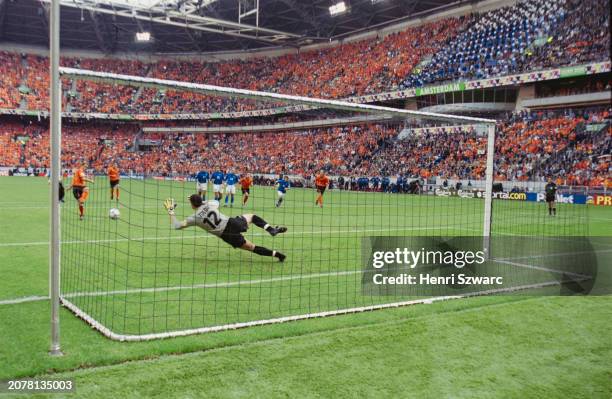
[{"x": 170, "y": 206}]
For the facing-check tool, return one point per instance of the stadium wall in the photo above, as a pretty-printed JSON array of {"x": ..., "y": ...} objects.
[{"x": 525, "y": 93}]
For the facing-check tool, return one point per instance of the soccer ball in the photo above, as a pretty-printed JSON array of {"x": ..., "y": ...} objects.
[{"x": 114, "y": 213}]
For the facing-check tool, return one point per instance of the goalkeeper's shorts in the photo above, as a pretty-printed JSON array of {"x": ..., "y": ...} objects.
[{"x": 233, "y": 231}]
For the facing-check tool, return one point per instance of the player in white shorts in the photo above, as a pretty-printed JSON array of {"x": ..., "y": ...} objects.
[
  {"x": 217, "y": 180},
  {"x": 282, "y": 185},
  {"x": 230, "y": 189},
  {"x": 202, "y": 183}
]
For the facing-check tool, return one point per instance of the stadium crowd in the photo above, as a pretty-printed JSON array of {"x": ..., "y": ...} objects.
[
  {"x": 571, "y": 145},
  {"x": 529, "y": 35}
]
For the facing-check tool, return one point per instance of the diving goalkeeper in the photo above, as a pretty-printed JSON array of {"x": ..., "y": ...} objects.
[{"x": 208, "y": 217}]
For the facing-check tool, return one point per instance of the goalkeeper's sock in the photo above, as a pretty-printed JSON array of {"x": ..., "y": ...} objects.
[
  {"x": 263, "y": 251},
  {"x": 259, "y": 222}
]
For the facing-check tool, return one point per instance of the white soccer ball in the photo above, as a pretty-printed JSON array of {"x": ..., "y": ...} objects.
[{"x": 114, "y": 213}]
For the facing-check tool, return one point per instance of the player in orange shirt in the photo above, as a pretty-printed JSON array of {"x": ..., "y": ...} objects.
[
  {"x": 246, "y": 182},
  {"x": 80, "y": 189},
  {"x": 113, "y": 177},
  {"x": 321, "y": 183}
]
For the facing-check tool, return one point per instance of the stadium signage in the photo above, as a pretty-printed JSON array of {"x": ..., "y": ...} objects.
[
  {"x": 510, "y": 196},
  {"x": 443, "y": 193},
  {"x": 423, "y": 91},
  {"x": 602, "y": 200},
  {"x": 570, "y": 72},
  {"x": 440, "y": 192},
  {"x": 470, "y": 193},
  {"x": 595, "y": 127},
  {"x": 579, "y": 199},
  {"x": 135, "y": 177}
]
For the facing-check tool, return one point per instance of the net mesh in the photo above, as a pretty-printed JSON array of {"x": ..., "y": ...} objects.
[{"x": 136, "y": 277}]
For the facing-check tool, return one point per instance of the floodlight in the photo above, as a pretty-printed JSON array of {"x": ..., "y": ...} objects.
[{"x": 337, "y": 8}]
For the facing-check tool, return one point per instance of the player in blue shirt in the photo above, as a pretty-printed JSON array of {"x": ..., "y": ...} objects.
[
  {"x": 385, "y": 184},
  {"x": 230, "y": 189},
  {"x": 202, "y": 183},
  {"x": 217, "y": 179},
  {"x": 282, "y": 184}
]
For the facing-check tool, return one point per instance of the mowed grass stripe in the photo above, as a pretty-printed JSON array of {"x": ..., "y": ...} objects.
[{"x": 208, "y": 236}]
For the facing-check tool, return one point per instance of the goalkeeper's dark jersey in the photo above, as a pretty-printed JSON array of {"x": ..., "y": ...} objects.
[{"x": 551, "y": 191}]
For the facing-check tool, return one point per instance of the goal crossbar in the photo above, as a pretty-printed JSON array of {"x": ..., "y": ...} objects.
[{"x": 141, "y": 81}]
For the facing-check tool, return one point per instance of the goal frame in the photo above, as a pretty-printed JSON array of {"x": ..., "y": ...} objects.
[{"x": 58, "y": 72}]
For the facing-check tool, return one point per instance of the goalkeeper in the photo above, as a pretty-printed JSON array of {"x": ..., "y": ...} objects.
[{"x": 208, "y": 217}]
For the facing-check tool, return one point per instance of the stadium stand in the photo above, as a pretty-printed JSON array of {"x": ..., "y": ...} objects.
[
  {"x": 530, "y": 146},
  {"x": 495, "y": 43},
  {"x": 583, "y": 35},
  {"x": 523, "y": 37},
  {"x": 11, "y": 71}
]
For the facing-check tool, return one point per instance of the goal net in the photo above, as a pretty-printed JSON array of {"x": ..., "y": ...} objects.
[{"x": 396, "y": 179}]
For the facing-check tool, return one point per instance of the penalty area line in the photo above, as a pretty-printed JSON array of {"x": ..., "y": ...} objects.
[
  {"x": 24, "y": 299},
  {"x": 179, "y": 287}
]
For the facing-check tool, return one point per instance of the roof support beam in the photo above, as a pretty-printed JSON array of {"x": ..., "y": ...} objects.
[
  {"x": 102, "y": 37},
  {"x": 44, "y": 18},
  {"x": 210, "y": 8},
  {"x": 407, "y": 7},
  {"x": 194, "y": 38},
  {"x": 187, "y": 17}
]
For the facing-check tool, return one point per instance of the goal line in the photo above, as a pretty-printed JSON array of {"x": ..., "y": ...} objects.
[{"x": 234, "y": 326}]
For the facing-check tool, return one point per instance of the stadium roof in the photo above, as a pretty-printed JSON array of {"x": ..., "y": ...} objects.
[{"x": 178, "y": 26}]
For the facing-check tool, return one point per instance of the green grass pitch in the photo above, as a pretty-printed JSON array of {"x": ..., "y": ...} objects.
[{"x": 474, "y": 347}]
